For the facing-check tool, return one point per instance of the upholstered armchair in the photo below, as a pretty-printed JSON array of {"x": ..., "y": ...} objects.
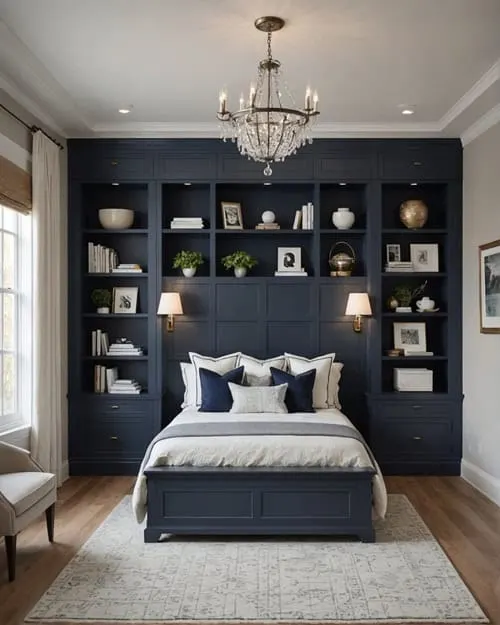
[{"x": 25, "y": 492}]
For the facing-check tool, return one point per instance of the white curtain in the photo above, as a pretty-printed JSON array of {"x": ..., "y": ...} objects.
[{"x": 50, "y": 343}]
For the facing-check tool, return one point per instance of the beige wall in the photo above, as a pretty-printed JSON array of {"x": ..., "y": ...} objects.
[
  {"x": 20, "y": 135},
  {"x": 481, "y": 464}
]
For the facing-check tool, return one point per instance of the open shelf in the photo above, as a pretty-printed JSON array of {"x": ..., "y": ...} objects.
[
  {"x": 112, "y": 358},
  {"x": 264, "y": 232},
  {"x": 190, "y": 231},
  {"x": 116, "y": 275},
  {"x": 116, "y": 316}
]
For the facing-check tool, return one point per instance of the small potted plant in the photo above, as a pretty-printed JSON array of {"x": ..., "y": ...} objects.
[
  {"x": 188, "y": 261},
  {"x": 240, "y": 262},
  {"x": 403, "y": 296},
  {"x": 101, "y": 298}
]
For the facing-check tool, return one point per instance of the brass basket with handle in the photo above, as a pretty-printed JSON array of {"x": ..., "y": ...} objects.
[{"x": 341, "y": 263}]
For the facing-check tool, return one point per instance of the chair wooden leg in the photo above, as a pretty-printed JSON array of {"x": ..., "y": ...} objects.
[
  {"x": 10, "y": 548},
  {"x": 50, "y": 514}
]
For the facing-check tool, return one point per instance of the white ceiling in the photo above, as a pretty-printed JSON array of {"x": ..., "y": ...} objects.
[{"x": 76, "y": 62}]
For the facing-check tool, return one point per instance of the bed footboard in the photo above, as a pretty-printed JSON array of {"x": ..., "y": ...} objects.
[{"x": 224, "y": 500}]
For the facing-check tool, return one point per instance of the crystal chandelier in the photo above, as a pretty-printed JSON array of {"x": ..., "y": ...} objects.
[{"x": 268, "y": 127}]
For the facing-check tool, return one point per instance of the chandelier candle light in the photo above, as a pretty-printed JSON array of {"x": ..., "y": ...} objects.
[{"x": 268, "y": 127}]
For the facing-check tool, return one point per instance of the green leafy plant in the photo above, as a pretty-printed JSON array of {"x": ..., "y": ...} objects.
[
  {"x": 187, "y": 259},
  {"x": 238, "y": 259},
  {"x": 101, "y": 298},
  {"x": 405, "y": 294}
]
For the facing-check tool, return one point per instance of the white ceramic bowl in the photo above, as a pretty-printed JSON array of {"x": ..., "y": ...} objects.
[{"x": 116, "y": 218}]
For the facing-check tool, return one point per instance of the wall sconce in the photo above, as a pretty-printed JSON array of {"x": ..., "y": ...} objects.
[
  {"x": 170, "y": 305},
  {"x": 358, "y": 304}
]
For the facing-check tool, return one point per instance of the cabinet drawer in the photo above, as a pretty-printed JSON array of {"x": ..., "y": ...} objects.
[
  {"x": 115, "y": 405},
  {"x": 236, "y": 167},
  {"x": 127, "y": 437},
  {"x": 419, "y": 163},
  {"x": 342, "y": 166},
  {"x": 186, "y": 167},
  {"x": 400, "y": 438},
  {"x": 104, "y": 167},
  {"x": 415, "y": 409}
]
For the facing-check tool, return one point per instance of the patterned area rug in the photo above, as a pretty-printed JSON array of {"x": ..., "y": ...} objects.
[{"x": 117, "y": 579}]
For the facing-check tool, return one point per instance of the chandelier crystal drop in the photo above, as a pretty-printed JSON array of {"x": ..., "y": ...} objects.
[{"x": 268, "y": 126}]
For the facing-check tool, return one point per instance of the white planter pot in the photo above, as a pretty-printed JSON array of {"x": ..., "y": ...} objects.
[
  {"x": 103, "y": 311},
  {"x": 343, "y": 218},
  {"x": 240, "y": 272},
  {"x": 189, "y": 271}
]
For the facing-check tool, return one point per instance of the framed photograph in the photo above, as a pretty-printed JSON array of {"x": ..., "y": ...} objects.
[
  {"x": 489, "y": 287},
  {"x": 125, "y": 300},
  {"x": 424, "y": 256},
  {"x": 410, "y": 336},
  {"x": 231, "y": 216},
  {"x": 289, "y": 259},
  {"x": 393, "y": 253}
]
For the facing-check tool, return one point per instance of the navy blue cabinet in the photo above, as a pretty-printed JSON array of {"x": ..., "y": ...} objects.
[{"x": 261, "y": 314}]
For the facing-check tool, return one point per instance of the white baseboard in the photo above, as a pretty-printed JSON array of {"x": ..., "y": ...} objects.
[
  {"x": 64, "y": 472},
  {"x": 483, "y": 481}
]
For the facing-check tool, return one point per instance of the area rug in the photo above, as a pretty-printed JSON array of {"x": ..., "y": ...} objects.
[{"x": 117, "y": 579}]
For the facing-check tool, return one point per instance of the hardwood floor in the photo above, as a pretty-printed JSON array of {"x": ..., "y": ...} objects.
[{"x": 466, "y": 524}]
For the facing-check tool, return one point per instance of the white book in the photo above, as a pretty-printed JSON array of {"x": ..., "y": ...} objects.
[
  {"x": 311, "y": 215},
  {"x": 102, "y": 386},
  {"x": 94, "y": 343},
  {"x": 98, "y": 342},
  {"x": 297, "y": 220}
]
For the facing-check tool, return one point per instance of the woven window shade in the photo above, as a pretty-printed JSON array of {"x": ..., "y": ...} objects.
[{"x": 15, "y": 187}]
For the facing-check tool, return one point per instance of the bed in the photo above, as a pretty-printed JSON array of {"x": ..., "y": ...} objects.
[{"x": 265, "y": 473}]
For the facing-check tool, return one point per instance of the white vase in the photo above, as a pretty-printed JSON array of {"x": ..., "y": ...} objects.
[
  {"x": 268, "y": 217},
  {"x": 189, "y": 271},
  {"x": 240, "y": 272},
  {"x": 343, "y": 218},
  {"x": 104, "y": 310}
]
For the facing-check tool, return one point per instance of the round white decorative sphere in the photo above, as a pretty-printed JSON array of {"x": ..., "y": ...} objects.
[{"x": 268, "y": 217}]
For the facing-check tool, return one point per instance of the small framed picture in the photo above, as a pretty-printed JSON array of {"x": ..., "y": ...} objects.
[
  {"x": 410, "y": 336},
  {"x": 231, "y": 216},
  {"x": 424, "y": 256},
  {"x": 289, "y": 259},
  {"x": 489, "y": 287},
  {"x": 393, "y": 253},
  {"x": 125, "y": 300}
]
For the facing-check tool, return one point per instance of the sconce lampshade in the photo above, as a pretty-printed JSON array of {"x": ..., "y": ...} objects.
[
  {"x": 170, "y": 304},
  {"x": 358, "y": 304}
]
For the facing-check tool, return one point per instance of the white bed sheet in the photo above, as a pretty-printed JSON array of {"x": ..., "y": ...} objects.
[{"x": 260, "y": 451}]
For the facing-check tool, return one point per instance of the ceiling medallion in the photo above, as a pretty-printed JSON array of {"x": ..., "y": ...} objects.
[{"x": 268, "y": 126}]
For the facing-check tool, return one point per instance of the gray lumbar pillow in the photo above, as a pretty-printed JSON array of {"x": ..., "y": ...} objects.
[{"x": 253, "y": 399}]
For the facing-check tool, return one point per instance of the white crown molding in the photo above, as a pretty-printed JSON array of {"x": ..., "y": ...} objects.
[
  {"x": 211, "y": 130},
  {"x": 486, "y": 81},
  {"x": 483, "y": 124}
]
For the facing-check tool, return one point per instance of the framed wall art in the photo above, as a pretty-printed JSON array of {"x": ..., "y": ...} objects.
[
  {"x": 410, "y": 336},
  {"x": 489, "y": 287},
  {"x": 424, "y": 256},
  {"x": 393, "y": 253},
  {"x": 289, "y": 259},
  {"x": 231, "y": 216},
  {"x": 125, "y": 300}
]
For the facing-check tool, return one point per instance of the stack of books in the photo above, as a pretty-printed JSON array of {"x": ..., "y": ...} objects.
[
  {"x": 99, "y": 343},
  {"x": 413, "y": 380},
  {"x": 307, "y": 216},
  {"x": 119, "y": 386},
  {"x": 271, "y": 226},
  {"x": 292, "y": 274},
  {"x": 399, "y": 265},
  {"x": 186, "y": 223},
  {"x": 123, "y": 347},
  {"x": 101, "y": 259},
  {"x": 127, "y": 268}
]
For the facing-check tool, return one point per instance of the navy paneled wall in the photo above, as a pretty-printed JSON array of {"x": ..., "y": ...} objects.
[{"x": 260, "y": 314}]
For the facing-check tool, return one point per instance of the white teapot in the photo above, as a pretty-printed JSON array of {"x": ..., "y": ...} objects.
[{"x": 425, "y": 304}]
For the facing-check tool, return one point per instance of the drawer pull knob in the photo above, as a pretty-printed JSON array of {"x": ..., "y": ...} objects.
[
  {"x": 416, "y": 407},
  {"x": 417, "y": 163},
  {"x": 417, "y": 438},
  {"x": 115, "y": 407},
  {"x": 113, "y": 163},
  {"x": 113, "y": 438}
]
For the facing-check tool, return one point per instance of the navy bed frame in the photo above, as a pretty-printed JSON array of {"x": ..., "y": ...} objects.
[{"x": 233, "y": 501}]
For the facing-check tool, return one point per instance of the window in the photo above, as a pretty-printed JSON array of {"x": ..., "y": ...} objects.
[{"x": 16, "y": 331}]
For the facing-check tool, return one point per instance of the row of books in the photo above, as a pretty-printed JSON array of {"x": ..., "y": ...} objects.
[
  {"x": 102, "y": 259},
  {"x": 121, "y": 347},
  {"x": 304, "y": 218},
  {"x": 106, "y": 380},
  {"x": 195, "y": 223}
]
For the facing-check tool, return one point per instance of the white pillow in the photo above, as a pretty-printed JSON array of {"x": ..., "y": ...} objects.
[
  {"x": 333, "y": 385},
  {"x": 189, "y": 378},
  {"x": 323, "y": 365},
  {"x": 220, "y": 365},
  {"x": 252, "y": 399},
  {"x": 257, "y": 372}
]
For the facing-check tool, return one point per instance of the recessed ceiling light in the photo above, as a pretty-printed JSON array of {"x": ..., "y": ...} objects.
[
  {"x": 413, "y": 184},
  {"x": 187, "y": 184},
  {"x": 342, "y": 184},
  {"x": 115, "y": 184},
  {"x": 407, "y": 111},
  {"x": 267, "y": 184},
  {"x": 124, "y": 111}
]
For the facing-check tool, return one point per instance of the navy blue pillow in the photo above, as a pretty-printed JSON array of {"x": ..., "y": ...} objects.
[
  {"x": 215, "y": 393},
  {"x": 299, "y": 394}
]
